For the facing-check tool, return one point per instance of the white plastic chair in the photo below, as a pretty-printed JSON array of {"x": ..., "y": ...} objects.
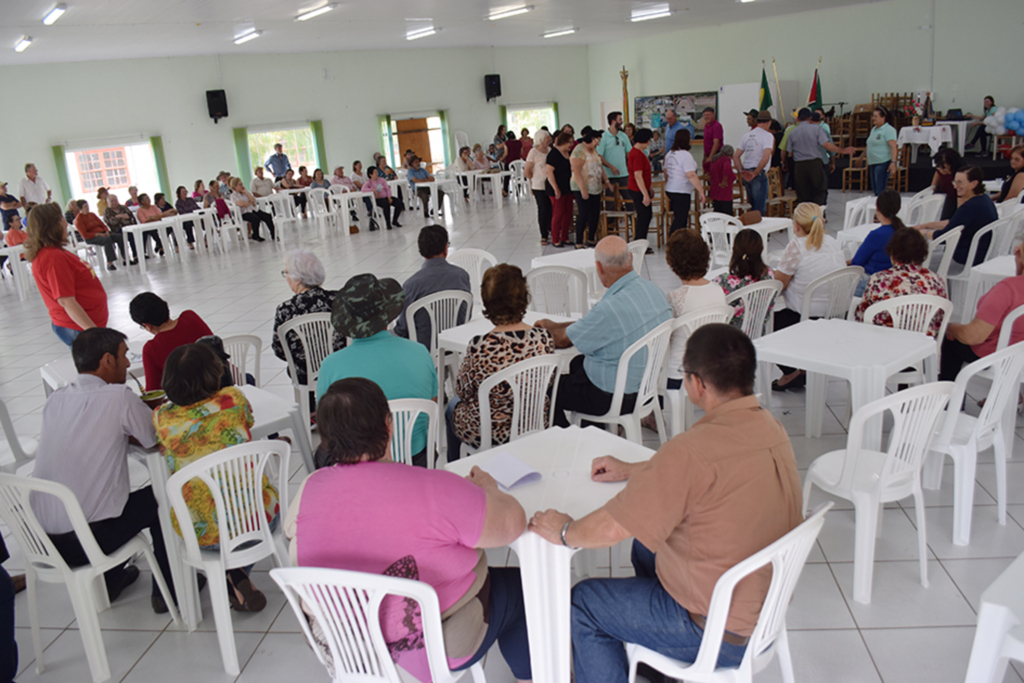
[
  {"x": 558, "y": 290},
  {"x": 473, "y": 262},
  {"x": 346, "y": 606},
  {"x": 655, "y": 345},
  {"x": 786, "y": 557},
  {"x": 531, "y": 383},
  {"x": 757, "y": 299},
  {"x": 949, "y": 240},
  {"x": 235, "y": 478},
  {"x": 871, "y": 478},
  {"x": 963, "y": 436},
  {"x": 237, "y": 346},
  {"x": 1003, "y": 232},
  {"x": 86, "y": 586},
  {"x": 638, "y": 250},
  {"x": 915, "y": 313},
  {"x": 841, "y": 285},
  {"x": 958, "y": 283},
  {"x": 925, "y": 210},
  {"x": 316, "y": 334},
  {"x": 320, "y": 208},
  {"x": 445, "y": 309},
  {"x": 680, "y": 410},
  {"x": 718, "y": 229},
  {"x": 404, "y": 413},
  {"x": 1000, "y": 635},
  {"x": 859, "y": 212},
  {"x": 23, "y": 451}
]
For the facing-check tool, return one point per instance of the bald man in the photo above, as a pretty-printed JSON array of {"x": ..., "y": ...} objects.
[{"x": 630, "y": 308}]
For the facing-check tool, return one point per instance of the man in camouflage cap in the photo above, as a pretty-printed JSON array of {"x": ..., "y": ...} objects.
[{"x": 402, "y": 368}]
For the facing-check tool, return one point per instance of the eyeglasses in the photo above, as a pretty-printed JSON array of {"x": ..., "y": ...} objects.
[{"x": 284, "y": 274}]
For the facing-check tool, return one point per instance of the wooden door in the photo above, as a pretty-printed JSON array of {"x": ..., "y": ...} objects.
[{"x": 412, "y": 134}]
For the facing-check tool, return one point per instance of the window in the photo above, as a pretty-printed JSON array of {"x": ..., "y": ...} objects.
[
  {"x": 102, "y": 168},
  {"x": 297, "y": 145},
  {"x": 532, "y": 118}
]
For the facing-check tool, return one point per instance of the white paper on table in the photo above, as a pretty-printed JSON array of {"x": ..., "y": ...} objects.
[{"x": 509, "y": 471}]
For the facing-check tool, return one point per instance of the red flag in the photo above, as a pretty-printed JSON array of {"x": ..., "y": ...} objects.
[{"x": 814, "y": 98}]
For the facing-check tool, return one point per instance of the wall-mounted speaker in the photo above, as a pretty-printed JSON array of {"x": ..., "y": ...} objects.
[
  {"x": 217, "y": 104},
  {"x": 492, "y": 85}
]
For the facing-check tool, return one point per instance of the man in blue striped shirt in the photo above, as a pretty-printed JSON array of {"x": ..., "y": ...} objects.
[{"x": 630, "y": 308}]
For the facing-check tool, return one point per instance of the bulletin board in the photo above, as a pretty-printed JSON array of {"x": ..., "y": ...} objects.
[{"x": 649, "y": 112}]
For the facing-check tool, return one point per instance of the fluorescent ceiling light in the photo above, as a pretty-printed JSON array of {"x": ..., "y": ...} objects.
[
  {"x": 745, "y": 1},
  {"x": 246, "y": 37},
  {"x": 656, "y": 14},
  {"x": 421, "y": 33},
  {"x": 559, "y": 32},
  {"x": 22, "y": 43},
  {"x": 53, "y": 15},
  {"x": 315, "y": 13},
  {"x": 506, "y": 13}
]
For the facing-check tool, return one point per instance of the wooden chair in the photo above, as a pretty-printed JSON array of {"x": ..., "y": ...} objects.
[
  {"x": 898, "y": 180},
  {"x": 778, "y": 203},
  {"x": 617, "y": 215},
  {"x": 856, "y": 171},
  {"x": 660, "y": 209}
]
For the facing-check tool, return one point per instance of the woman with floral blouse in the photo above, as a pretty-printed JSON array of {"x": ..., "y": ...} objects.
[
  {"x": 745, "y": 268},
  {"x": 907, "y": 249}
]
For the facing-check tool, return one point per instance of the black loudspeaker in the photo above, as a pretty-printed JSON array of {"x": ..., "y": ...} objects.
[
  {"x": 217, "y": 103},
  {"x": 492, "y": 84}
]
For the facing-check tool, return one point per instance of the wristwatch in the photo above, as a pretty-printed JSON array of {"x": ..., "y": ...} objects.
[{"x": 565, "y": 527}]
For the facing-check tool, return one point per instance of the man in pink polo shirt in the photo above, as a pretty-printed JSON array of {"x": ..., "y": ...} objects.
[
  {"x": 977, "y": 339},
  {"x": 714, "y": 136}
]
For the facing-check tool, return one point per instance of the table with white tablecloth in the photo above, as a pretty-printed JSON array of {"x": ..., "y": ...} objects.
[
  {"x": 933, "y": 136},
  {"x": 960, "y": 129}
]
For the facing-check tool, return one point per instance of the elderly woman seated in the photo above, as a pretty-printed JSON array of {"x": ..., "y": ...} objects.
[
  {"x": 505, "y": 298},
  {"x": 203, "y": 418},
  {"x": 413, "y": 523},
  {"x": 907, "y": 249},
  {"x": 304, "y": 274}
]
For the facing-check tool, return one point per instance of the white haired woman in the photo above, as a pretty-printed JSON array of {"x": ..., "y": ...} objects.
[
  {"x": 304, "y": 274},
  {"x": 534, "y": 171}
]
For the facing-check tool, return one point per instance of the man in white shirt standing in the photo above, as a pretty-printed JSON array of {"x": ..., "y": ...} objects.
[
  {"x": 87, "y": 427},
  {"x": 33, "y": 189},
  {"x": 751, "y": 159},
  {"x": 260, "y": 186}
]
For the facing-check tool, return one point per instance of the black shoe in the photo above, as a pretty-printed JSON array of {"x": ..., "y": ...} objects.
[
  {"x": 649, "y": 251},
  {"x": 111, "y": 266},
  {"x": 127, "y": 578},
  {"x": 134, "y": 262},
  {"x": 798, "y": 382},
  {"x": 396, "y": 224}
]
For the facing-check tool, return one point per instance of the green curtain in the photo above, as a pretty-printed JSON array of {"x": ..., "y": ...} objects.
[
  {"x": 318, "y": 141},
  {"x": 242, "y": 154},
  {"x": 387, "y": 142},
  {"x": 156, "y": 143},
  {"x": 61, "y": 164},
  {"x": 503, "y": 112},
  {"x": 554, "y": 109},
  {"x": 444, "y": 136}
]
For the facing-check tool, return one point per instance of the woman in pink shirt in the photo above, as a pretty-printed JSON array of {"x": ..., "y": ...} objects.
[
  {"x": 414, "y": 523},
  {"x": 382, "y": 195}
]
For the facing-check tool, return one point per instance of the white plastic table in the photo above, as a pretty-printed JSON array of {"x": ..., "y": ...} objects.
[
  {"x": 563, "y": 458},
  {"x": 915, "y": 136},
  {"x": 139, "y": 229},
  {"x": 961, "y": 128},
  {"x": 983, "y": 278},
  {"x": 497, "y": 180},
  {"x": 18, "y": 269},
  {"x": 1002, "y": 609},
  {"x": 851, "y": 238},
  {"x": 992, "y": 186},
  {"x": 865, "y": 355},
  {"x": 766, "y": 227},
  {"x": 434, "y": 186}
]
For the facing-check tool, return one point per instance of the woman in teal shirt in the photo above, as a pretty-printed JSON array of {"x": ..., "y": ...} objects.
[
  {"x": 980, "y": 134},
  {"x": 881, "y": 149}
]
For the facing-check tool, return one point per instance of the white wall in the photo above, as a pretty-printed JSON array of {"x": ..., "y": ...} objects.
[
  {"x": 875, "y": 47},
  {"x": 82, "y": 101}
]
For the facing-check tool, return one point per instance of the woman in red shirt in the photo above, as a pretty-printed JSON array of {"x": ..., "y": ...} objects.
[
  {"x": 73, "y": 294},
  {"x": 640, "y": 182},
  {"x": 720, "y": 180}
]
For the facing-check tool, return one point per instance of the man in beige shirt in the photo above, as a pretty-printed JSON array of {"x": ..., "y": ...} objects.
[
  {"x": 709, "y": 498},
  {"x": 260, "y": 186}
]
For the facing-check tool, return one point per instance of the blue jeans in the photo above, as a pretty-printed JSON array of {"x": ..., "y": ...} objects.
[
  {"x": 507, "y": 624},
  {"x": 757, "y": 192},
  {"x": 879, "y": 175},
  {"x": 861, "y": 284},
  {"x": 609, "y": 612},
  {"x": 65, "y": 334}
]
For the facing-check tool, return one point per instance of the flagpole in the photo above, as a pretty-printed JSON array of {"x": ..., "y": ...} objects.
[{"x": 778, "y": 90}]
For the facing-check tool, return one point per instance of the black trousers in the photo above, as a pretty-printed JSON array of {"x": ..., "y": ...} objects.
[
  {"x": 955, "y": 355},
  {"x": 254, "y": 218},
  {"x": 300, "y": 201},
  {"x": 811, "y": 181},
  {"x": 721, "y": 206},
  {"x": 588, "y": 215},
  {"x": 679, "y": 202},
  {"x": 785, "y": 318},
  {"x": 386, "y": 206},
  {"x": 140, "y": 512},
  {"x": 576, "y": 392},
  {"x": 8, "y": 646},
  {"x": 643, "y": 215},
  {"x": 543, "y": 213}
]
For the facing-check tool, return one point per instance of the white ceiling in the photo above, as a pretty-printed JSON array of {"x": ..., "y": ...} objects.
[{"x": 125, "y": 29}]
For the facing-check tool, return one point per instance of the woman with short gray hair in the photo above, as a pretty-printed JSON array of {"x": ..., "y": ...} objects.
[{"x": 305, "y": 274}]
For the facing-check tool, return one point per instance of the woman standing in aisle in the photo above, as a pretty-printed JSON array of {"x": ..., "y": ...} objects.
[
  {"x": 588, "y": 178},
  {"x": 558, "y": 171},
  {"x": 681, "y": 180},
  {"x": 881, "y": 149},
  {"x": 534, "y": 171}
]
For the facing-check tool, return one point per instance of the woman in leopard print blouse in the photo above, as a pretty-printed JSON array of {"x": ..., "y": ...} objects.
[{"x": 505, "y": 297}]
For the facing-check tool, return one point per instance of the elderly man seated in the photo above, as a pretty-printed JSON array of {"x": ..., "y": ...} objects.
[
  {"x": 979, "y": 338},
  {"x": 708, "y": 499},
  {"x": 435, "y": 275},
  {"x": 87, "y": 426},
  {"x": 630, "y": 308}
]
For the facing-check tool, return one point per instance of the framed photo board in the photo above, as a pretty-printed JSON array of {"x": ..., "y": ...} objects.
[{"x": 649, "y": 112}]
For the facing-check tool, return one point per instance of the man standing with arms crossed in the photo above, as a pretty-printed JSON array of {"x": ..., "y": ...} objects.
[{"x": 751, "y": 160}]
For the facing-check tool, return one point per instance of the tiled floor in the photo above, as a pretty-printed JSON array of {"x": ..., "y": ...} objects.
[{"x": 907, "y": 634}]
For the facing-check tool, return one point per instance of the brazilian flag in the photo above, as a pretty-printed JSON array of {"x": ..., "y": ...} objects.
[{"x": 766, "y": 94}]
